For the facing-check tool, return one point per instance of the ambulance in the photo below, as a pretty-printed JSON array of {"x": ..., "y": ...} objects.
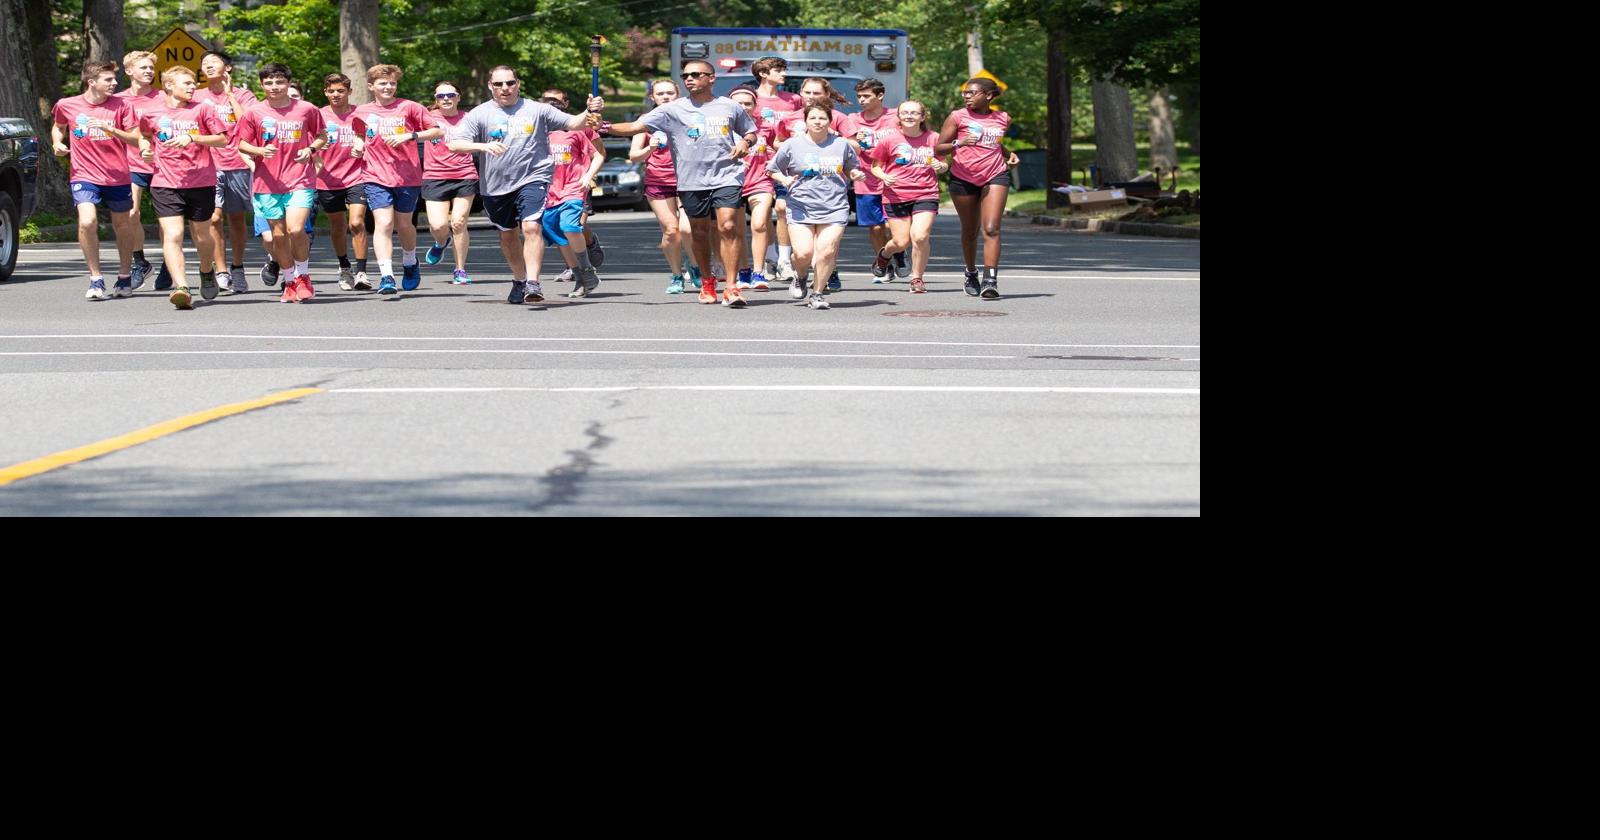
[{"x": 842, "y": 56}]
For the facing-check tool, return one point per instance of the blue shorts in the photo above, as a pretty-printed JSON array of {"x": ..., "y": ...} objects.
[
  {"x": 510, "y": 210},
  {"x": 869, "y": 210},
  {"x": 562, "y": 219},
  {"x": 116, "y": 199},
  {"x": 402, "y": 199},
  {"x": 142, "y": 179}
]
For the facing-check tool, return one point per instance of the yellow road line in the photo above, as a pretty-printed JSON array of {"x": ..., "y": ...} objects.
[{"x": 28, "y": 469}]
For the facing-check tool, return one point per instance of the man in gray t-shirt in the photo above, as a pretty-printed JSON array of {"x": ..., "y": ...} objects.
[
  {"x": 708, "y": 136},
  {"x": 514, "y": 135}
]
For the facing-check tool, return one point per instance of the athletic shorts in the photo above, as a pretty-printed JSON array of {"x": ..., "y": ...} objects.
[
  {"x": 449, "y": 190},
  {"x": 782, "y": 191},
  {"x": 233, "y": 191},
  {"x": 907, "y": 209},
  {"x": 339, "y": 201},
  {"x": 869, "y": 210},
  {"x": 509, "y": 211},
  {"x": 702, "y": 203},
  {"x": 263, "y": 225},
  {"x": 276, "y": 205},
  {"x": 142, "y": 179},
  {"x": 402, "y": 199},
  {"x": 562, "y": 219},
  {"x": 116, "y": 199},
  {"x": 960, "y": 187},
  {"x": 196, "y": 204},
  {"x": 656, "y": 193}
]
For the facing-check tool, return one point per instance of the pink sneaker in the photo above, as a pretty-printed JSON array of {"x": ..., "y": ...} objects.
[{"x": 303, "y": 289}]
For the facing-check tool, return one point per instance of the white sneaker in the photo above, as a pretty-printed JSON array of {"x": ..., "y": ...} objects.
[
  {"x": 817, "y": 302},
  {"x": 797, "y": 288},
  {"x": 361, "y": 283},
  {"x": 566, "y": 276},
  {"x": 786, "y": 270},
  {"x": 97, "y": 290}
]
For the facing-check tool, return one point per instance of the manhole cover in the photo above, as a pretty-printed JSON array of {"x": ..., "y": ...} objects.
[
  {"x": 1109, "y": 358},
  {"x": 944, "y": 313}
]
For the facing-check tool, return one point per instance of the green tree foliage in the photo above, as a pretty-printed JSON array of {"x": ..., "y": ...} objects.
[{"x": 1138, "y": 43}]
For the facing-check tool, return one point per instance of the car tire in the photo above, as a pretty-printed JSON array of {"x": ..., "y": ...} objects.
[{"x": 10, "y": 235}]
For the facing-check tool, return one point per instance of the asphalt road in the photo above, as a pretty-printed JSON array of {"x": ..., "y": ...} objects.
[{"x": 1077, "y": 393}]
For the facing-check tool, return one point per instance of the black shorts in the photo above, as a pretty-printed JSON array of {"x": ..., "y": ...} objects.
[
  {"x": 960, "y": 187},
  {"x": 449, "y": 190},
  {"x": 907, "y": 209},
  {"x": 195, "y": 204},
  {"x": 702, "y": 203},
  {"x": 338, "y": 201}
]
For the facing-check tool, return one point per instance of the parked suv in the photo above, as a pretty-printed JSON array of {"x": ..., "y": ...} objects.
[
  {"x": 19, "y": 176},
  {"x": 621, "y": 182}
]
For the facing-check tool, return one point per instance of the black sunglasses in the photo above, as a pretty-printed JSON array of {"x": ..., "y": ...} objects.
[
  {"x": 446, "y": 95},
  {"x": 512, "y": 83},
  {"x": 551, "y": 100},
  {"x": 697, "y": 74}
]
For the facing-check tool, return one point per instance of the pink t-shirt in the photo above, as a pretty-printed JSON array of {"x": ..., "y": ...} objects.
[
  {"x": 915, "y": 179},
  {"x": 140, "y": 104},
  {"x": 290, "y": 129},
  {"x": 780, "y": 101},
  {"x": 339, "y": 170},
  {"x": 441, "y": 164},
  {"x": 756, "y": 177},
  {"x": 393, "y": 167},
  {"x": 658, "y": 168},
  {"x": 794, "y": 124},
  {"x": 571, "y": 151},
  {"x": 866, "y": 132},
  {"x": 228, "y": 159},
  {"x": 98, "y": 157},
  {"x": 189, "y": 167},
  {"x": 986, "y": 161}
]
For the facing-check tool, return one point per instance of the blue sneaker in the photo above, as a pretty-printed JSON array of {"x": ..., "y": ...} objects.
[
  {"x": 140, "y": 271},
  {"x": 833, "y": 282},
  {"x": 516, "y": 295},
  {"x": 694, "y": 277},
  {"x": 163, "y": 279},
  {"x": 97, "y": 290},
  {"x": 436, "y": 251},
  {"x": 386, "y": 286},
  {"x": 411, "y": 277},
  {"x": 676, "y": 286},
  {"x": 743, "y": 279}
]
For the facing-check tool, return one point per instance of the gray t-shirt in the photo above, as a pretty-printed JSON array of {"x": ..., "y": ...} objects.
[
  {"x": 819, "y": 197},
  {"x": 702, "y": 137},
  {"x": 525, "y": 130}
]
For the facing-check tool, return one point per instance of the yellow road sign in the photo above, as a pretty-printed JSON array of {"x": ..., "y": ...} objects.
[
  {"x": 178, "y": 48},
  {"x": 985, "y": 74}
]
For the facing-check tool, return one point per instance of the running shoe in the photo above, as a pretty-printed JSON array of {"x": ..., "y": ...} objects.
[
  {"x": 918, "y": 287},
  {"x": 237, "y": 284},
  {"x": 459, "y": 278},
  {"x": 817, "y": 301},
  {"x": 834, "y": 284},
  {"x": 901, "y": 269},
  {"x": 208, "y": 286},
  {"x": 269, "y": 274},
  {"x": 532, "y": 292},
  {"x": 597, "y": 255},
  {"x": 411, "y": 277},
  {"x": 707, "y": 295},
  {"x": 588, "y": 281},
  {"x": 517, "y": 294},
  {"x": 732, "y": 299},
  {"x": 991, "y": 289},
  {"x": 971, "y": 286},
  {"x": 219, "y": 281},
  {"x": 181, "y": 298},
  {"x": 436, "y": 251},
  {"x": 675, "y": 286},
  {"x": 880, "y": 270},
  {"x": 303, "y": 288},
  {"x": 346, "y": 280},
  {"x": 759, "y": 282},
  {"x": 122, "y": 288},
  {"x": 362, "y": 283},
  {"x": 386, "y": 286}
]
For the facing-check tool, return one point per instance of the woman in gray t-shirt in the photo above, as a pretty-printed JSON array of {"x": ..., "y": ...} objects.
[{"x": 814, "y": 167}]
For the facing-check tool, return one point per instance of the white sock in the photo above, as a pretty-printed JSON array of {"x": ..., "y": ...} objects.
[
  {"x": 785, "y": 253},
  {"x": 302, "y": 267},
  {"x": 408, "y": 258},
  {"x": 385, "y": 268},
  {"x": 290, "y": 273}
]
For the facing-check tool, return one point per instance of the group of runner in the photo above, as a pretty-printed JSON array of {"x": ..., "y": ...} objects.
[{"x": 209, "y": 152}]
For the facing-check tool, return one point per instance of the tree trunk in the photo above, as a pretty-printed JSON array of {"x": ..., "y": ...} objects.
[
  {"x": 358, "y": 44},
  {"x": 31, "y": 86},
  {"x": 974, "y": 45},
  {"x": 1117, "y": 156},
  {"x": 1058, "y": 132},
  {"x": 1163, "y": 140},
  {"x": 105, "y": 35}
]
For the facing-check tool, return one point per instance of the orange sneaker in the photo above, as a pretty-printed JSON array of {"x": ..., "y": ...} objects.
[
  {"x": 289, "y": 294},
  {"x": 707, "y": 295},
  {"x": 732, "y": 299}
]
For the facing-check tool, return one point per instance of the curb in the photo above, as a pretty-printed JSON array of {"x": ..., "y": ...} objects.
[{"x": 1103, "y": 226}]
